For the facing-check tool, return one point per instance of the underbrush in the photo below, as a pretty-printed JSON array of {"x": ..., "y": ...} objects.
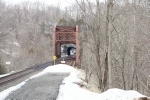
[{"x": 2, "y": 69}]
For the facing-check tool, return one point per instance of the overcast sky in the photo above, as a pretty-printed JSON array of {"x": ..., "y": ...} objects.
[{"x": 62, "y": 3}]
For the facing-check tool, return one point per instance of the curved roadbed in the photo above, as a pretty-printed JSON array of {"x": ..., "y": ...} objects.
[{"x": 45, "y": 87}]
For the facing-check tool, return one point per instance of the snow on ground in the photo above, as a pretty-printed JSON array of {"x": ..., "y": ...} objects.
[
  {"x": 16, "y": 43},
  {"x": 3, "y": 75},
  {"x": 9, "y": 53},
  {"x": 70, "y": 90}
]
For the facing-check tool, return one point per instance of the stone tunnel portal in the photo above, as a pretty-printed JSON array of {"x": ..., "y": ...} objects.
[{"x": 68, "y": 49}]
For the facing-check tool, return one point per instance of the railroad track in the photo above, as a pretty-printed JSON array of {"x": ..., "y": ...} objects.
[
  {"x": 14, "y": 76},
  {"x": 9, "y": 78}
]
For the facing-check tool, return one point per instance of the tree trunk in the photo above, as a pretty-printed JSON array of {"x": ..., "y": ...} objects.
[{"x": 108, "y": 38}]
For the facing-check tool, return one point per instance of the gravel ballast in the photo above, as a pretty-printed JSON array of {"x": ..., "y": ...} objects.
[
  {"x": 45, "y": 87},
  {"x": 19, "y": 80}
]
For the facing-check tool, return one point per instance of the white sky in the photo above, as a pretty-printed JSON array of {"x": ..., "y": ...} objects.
[
  {"x": 62, "y": 3},
  {"x": 71, "y": 91}
]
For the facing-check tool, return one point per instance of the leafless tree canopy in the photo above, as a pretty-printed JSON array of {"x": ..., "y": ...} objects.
[
  {"x": 25, "y": 33},
  {"x": 116, "y": 39}
]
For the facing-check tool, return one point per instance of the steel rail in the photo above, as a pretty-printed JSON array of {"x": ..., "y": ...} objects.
[{"x": 14, "y": 76}]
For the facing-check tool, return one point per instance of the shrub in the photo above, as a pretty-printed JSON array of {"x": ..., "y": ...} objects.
[
  {"x": 31, "y": 51},
  {"x": 2, "y": 69}
]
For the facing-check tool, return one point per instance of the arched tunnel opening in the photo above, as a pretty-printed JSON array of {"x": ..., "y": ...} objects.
[{"x": 68, "y": 49}]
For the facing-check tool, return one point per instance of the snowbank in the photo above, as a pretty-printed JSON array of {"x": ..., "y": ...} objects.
[
  {"x": 6, "y": 92},
  {"x": 70, "y": 90}
]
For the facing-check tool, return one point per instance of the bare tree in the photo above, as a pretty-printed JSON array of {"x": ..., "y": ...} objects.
[
  {"x": 122, "y": 50},
  {"x": 109, "y": 28}
]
